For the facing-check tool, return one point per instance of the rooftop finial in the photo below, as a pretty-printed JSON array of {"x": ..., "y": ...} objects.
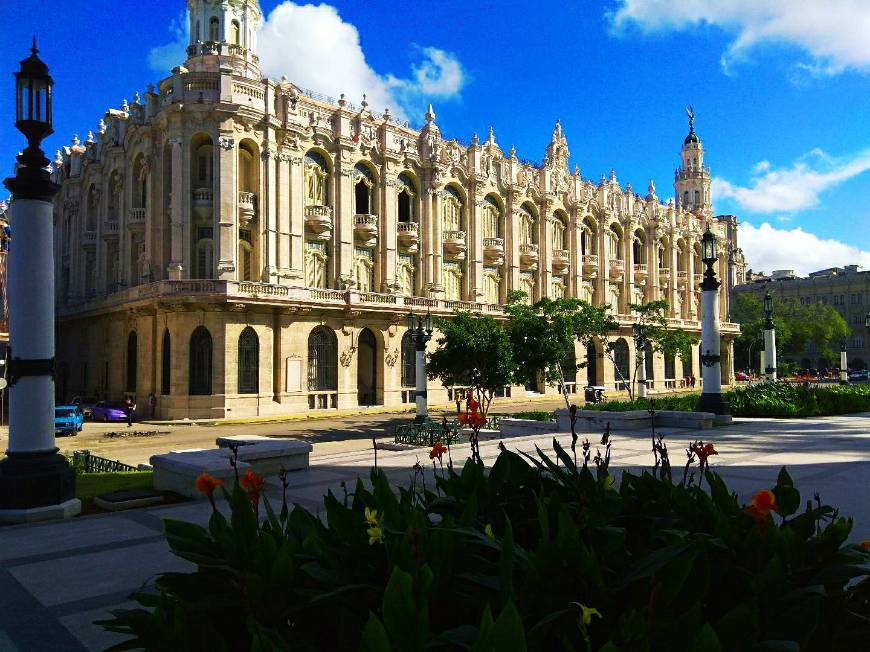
[
  {"x": 34, "y": 49},
  {"x": 491, "y": 138},
  {"x": 651, "y": 189},
  {"x": 430, "y": 114},
  {"x": 691, "y": 113}
]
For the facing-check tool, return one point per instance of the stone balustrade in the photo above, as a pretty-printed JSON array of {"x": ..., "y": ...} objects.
[{"x": 318, "y": 221}]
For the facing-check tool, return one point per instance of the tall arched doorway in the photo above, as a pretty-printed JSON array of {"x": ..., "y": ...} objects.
[
  {"x": 366, "y": 368},
  {"x": 591, "y": 364},
  {"x": 132, "y": 360}
]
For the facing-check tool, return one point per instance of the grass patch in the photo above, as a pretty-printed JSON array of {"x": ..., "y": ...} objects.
[
  {"x": 532, "y": 415},
  {"x": 90, "y": 485},
  {"x": 683, "y": 402}
]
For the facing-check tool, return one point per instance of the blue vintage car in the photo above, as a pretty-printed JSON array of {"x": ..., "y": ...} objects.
[{"x": 68, "y": 420}]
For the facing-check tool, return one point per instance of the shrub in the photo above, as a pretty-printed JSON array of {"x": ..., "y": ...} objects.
[
  {"x": 533, "y": 415},
  {"x": 684, "y": 402},
  {"x": 535, "y": 553}
]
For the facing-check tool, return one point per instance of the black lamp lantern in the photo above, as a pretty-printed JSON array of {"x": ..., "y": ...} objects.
[
  {"x": 768, "y": 304},
  {"x": 33, "y": 87},
  {"x": 412, "y": 321},
  {"x": 428, "y": 324},
  {"x": 709, "y": 256}
]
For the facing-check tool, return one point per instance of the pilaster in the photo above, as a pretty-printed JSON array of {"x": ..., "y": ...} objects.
[{"x": 226, "y": 199}]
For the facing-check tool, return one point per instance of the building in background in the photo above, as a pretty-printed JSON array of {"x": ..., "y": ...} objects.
[
  {"x": 241, "y": 246},
  {"x": 847, "y": 289}
]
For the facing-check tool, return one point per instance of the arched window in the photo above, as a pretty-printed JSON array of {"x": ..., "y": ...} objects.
[
  {"x": 648, "y": 362},
  {"x": 697, "y": 198},
  {"x": 620, "y": 360},
  {"x": 166, "y": 364},
  {"x": 235, "y": 33},
  {"x": 204, "y": 253},
  {"x": 558, "y": 233},
  {"x": 407, "y": 276},
  {"x": 364, "y": 270},
  {"x": 637, "y": 248},
  {"x": 409, "y": 361},
  {"x": 316, "y": 180},
  {"x": 249, "y": 362},
  {"x": 363, "y": 189},
  {"x": 246, "y": 256},
  {"x": 200, "y": 362},
  {"x": 614, "y": 242},
  {"x": 322, "y": 360},
  {"x": 452, "y": 281},
  {"x": 315, "y": 264},
  {"x": 588, "y": 244},
  {"x": 407, "y": 192},
  {"x": 214, "y": 29},
  {"x": 527, "y": 227},
  {"x": 557, "y": 289},
  {"x": 527, "y": 285},
  {"x": 670, "y": 367},
  {"x": 451, "y": 211},
  {"x": 132, "y": 361},
  {"x": 93, "y": 209},
  {"x": 569, "y": 366},
  {"x": 687, "y": 366},
  {"x": 491, "y": 219},
  {"x": 491, "y": 285},
  {"x": 204, "y": 166},
  {"x": 685, "y": 199}
]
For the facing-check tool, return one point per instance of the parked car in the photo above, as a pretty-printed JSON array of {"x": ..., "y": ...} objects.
[
  {"x": 68, "y": 420},
  {"x": 109, "y": 411},
  {"x": 85, "y": 404},
  {"x": 859, "y": 374},
  {"x": 740, "y": 375}
]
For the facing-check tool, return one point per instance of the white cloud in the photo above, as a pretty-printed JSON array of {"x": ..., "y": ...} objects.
[
  {"x": 832, "y": 32},
  {"x": 795, "y": 188},
  {"x": 767, "y": 248},
  {"x": 315, "y": 48},
  {"x": 164, "y": 58}
]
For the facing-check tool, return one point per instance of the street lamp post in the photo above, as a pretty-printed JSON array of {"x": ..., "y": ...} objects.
[
  {"x": 421, "y": 332},
  {"x": 844, "y": 374},
  {"x": 711, "y": 395},
  {"x": 769, "y": 339},
  {"x": 36, "y": 483},
  {"x": 639, "y": 346}
]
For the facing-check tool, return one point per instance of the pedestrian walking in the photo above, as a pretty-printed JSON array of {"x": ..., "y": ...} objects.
[
  {"x": 130, "y": 408},
  {"x": 152, "y": 403}
]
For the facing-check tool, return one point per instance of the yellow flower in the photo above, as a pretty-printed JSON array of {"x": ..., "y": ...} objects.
[
  {"x": 488, "y": 531},
  {"x": 587, "y": 613},
  {"x": 376, "y": 535},
  {"x": 371, "y": 516},
  {"x": 610, "y": 482}
]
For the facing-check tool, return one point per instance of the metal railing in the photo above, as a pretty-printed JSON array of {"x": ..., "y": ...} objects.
[{"x": 87, "y": 462}]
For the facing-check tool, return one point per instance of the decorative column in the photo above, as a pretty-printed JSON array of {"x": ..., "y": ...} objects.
[
  {"x": 711, "y": 395},
  {"x": 421, "y": 333},
  {"x": 226, "y": 197},
  {"x": 176, "y": 183},
  {"x": 36, "y": 483},
  {"x": 769, "y": 339}
]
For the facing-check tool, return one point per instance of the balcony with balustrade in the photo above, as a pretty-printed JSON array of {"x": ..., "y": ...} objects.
[
  {"x": 454, "y": 245},
  {"x": 561, "y": 261},
  {"x": 365, "y": 228},
  {"x": 682, "y": 279},
  {"x": 617, "y": 269},
  {"x": 640, "y": 273},
  {"x": 247, "y": 207},
  {"x": 590, "y": 265},
  {"x": 89, "y": 238},
  {"x": 110, "y": 228},
  {"x": 318, "y": 221},
  {"x": 664, "y": 275},
  {"x": 493, "y": 251},
  {"x": 528, "y": 257},
  {"x": 408, "y": 235},
  {"x": 698, "y": 278},
  {"x": 136, "y": 217},
  {"x": 203, "y": 203}
]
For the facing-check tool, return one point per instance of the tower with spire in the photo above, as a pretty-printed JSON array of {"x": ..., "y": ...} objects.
[
  {"x": 224, "y": 33},
  {"x": 692, "y": 178}
]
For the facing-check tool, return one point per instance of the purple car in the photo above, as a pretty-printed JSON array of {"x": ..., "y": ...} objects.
[{"x": 109, "y": 411}]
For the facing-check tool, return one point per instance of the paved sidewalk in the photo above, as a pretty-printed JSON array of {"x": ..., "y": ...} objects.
[{"x": 57, "y": 578}]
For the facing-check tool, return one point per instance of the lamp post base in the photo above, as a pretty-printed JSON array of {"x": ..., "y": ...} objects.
[
  {"x": 713, "y": 403},
  {"x": 39, "y": 482}
]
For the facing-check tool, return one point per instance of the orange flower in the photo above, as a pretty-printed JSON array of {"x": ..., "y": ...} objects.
[
  {"x": 251, "y": 482},
  {"x": 206, "y": 484},
  {"x": 437, "y": 451},
  {"x": 865, "y": 545},
  {"x": 763, "y": 502}
]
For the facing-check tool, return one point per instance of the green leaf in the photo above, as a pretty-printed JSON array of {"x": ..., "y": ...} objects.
[
  {"x": 705, "y": 640},
  {"x": 406, "y": 621},
  {"x": 788, "y": 500},
  {"x": 374, "y": 636},
  {"x": 784, "y": 479},
  {"x": 650, "y": 564}
]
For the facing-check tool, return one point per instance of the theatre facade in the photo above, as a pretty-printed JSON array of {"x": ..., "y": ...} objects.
[{"x": 240, "y": 246}]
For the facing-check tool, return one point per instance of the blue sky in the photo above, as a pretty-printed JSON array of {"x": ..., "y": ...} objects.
[{"x": 780, "y": 89}]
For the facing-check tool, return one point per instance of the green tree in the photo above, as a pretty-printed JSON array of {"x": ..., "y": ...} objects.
[
  {"x": 473, "y": 351},
  {"x": 795, "y": 325},
  {"x": 543, "y": 335},
  {"x": 652, "y": 328}
]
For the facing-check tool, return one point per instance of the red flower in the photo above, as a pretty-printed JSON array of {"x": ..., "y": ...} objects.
[
  {"x": 253, "y": 484},
  {"x": 865, "y": 545},
  {"x": 207, "y": 484},
  {"x": 703, "y": 452},
  {"x": 437, "y": 451}
]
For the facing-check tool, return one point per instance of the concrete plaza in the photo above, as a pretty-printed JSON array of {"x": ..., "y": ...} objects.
[{"x": 57, "y": 578}]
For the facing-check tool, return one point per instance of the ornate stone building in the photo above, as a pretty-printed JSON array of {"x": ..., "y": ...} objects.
[{"x": 240, "y": 246}]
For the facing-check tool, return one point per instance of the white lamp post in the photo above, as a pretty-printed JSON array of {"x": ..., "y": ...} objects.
[
  {"x": 421, "y": 333},
  {"x": 639, "y": 345},
  {"x": 36, "y": 482},
  {"x": 844, "y": 374},
  {"x": 711, "y": 395},
  {"x": 769, "y": 339}
]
